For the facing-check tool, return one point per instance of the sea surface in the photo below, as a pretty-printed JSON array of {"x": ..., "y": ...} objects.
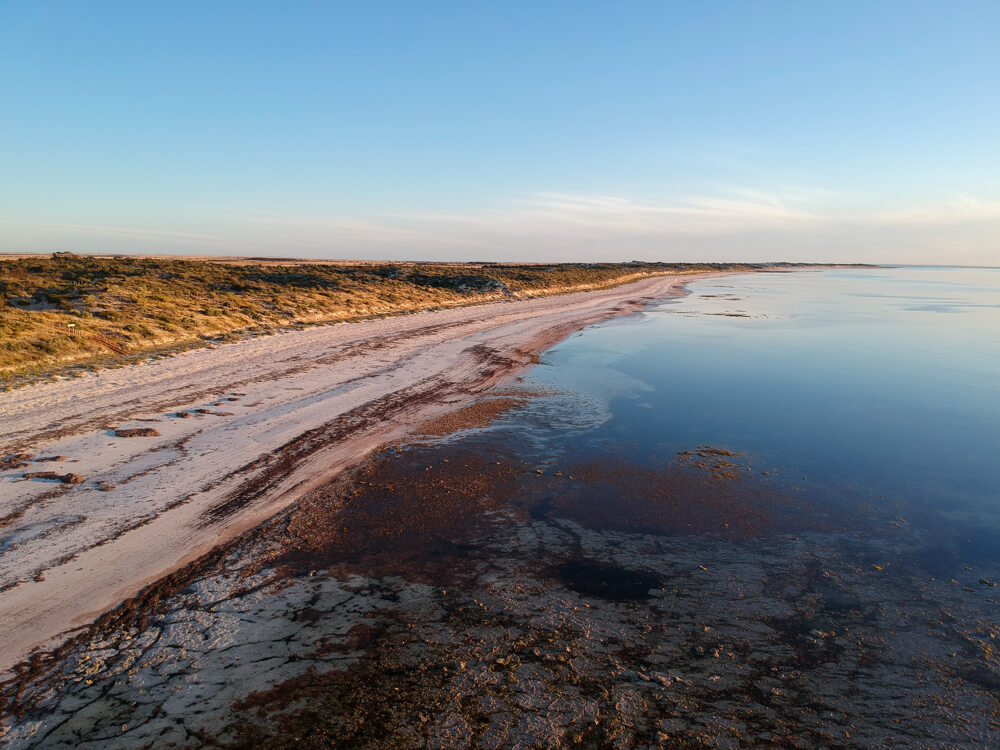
[
  {"x": 762, "y": 515},
  {"x": 879, "y": 386}
]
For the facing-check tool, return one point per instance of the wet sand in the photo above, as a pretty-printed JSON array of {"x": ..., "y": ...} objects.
[
  {"x": 180, "y": 454},
  {"x": 458, "y": 595},
  {"x": 466, "y": 590}
]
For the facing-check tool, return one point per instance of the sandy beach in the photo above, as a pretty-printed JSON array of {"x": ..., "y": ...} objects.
[
  {"x": 174, "y": 456},
  {"x": 365, "y": 570}
]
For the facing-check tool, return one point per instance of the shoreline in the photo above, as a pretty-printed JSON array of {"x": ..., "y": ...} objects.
[
  {"x": 540, "y": 581},
  {"x": 76, "y": 551},
  {"x": 71, "y": 314}
]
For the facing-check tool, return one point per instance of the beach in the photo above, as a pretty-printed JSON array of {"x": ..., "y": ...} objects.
[
  {"x": 613, "y": 538},
  {"x": 566, "y": 376},
  {"x": 226, "y": 437}
]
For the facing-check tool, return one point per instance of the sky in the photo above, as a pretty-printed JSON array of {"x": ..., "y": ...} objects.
[{"x": 841, "y": 131}]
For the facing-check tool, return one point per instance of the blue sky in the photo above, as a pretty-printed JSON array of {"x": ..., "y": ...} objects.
[{"x": 851, "y": 131}]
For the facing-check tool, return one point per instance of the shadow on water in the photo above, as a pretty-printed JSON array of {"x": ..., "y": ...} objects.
[
  {"x": 957, "y": 547},
  {"x": 611, "y": 582}
]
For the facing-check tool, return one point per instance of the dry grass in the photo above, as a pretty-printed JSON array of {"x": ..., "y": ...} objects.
[{"x": 67, "y": 312}]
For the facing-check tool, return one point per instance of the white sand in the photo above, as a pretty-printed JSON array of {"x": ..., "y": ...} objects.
[{"x": 71, "y": 552}]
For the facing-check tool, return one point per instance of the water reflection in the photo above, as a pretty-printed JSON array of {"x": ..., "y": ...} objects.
[
  {"x": 763, "y": 515},
  {"x": 848, "y": 379}
]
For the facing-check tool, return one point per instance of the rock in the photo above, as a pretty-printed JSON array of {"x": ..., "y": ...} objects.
[
  {"x": 50, "y": 458},
  {"x": 41, "y": 475},
  {"x": 137, "y": 432},
  {"x": 15, "y": 460},
  {"x": 64, "y": 478},
  {"x": 183, "y": 415}
]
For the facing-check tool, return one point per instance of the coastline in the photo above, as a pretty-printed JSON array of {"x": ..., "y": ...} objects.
[
  {"x": 67, "y": 315},
  {"x": 335, "y": 394},
  {"x": 555, "y": 578}
]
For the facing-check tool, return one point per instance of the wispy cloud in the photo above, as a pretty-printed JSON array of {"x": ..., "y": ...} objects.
[
  {"x": 734, "y": 223},
  {"x": 137, "y": 233},
  {"x": 961, "y": 209},
  {"x": 566, "y": 215},
  {"x": 690, "y": 214}
]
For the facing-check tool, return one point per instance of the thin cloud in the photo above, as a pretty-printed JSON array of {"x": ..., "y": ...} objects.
[
  {"x": 963, "y": 209},
  {"x": 734, "y": 223},
  {"x": 112, "y": 230},
  {"x": 692, "y": 214},
  {"x": 549, "y": 215}
]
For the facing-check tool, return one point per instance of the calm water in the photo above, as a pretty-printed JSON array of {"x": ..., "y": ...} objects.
[
  {"x": 564, "y": 578},
  {"x": 878, "y": 386}
]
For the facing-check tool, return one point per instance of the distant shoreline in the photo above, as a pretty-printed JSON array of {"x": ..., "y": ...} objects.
[{"x": 64, "y": 314}]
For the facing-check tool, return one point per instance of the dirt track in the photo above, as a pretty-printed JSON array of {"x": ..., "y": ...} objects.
[{"x": 267, "y": 420}]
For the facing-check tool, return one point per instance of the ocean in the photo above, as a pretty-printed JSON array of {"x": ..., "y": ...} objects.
[
  {"x": 876, "y": 386},
  {"x": 761, "y": 515}
]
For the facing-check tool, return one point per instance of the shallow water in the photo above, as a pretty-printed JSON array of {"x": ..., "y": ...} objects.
[
  {"x": 878, "y": 386},
  {"x": 763, "y": 515}
]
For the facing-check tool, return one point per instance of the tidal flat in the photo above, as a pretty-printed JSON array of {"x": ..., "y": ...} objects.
[
  {"x": 712, "y": 524},
  {"x": 457, "y": 595}
]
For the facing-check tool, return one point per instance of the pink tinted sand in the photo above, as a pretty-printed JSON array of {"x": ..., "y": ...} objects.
[{"x": 71, "y": 552}]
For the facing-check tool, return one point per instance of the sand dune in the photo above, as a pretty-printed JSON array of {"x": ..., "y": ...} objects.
[{"x": 233, "y": 434}]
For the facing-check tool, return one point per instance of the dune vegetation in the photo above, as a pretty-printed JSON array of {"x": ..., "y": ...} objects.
[{"x": 66, "y": 313}]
